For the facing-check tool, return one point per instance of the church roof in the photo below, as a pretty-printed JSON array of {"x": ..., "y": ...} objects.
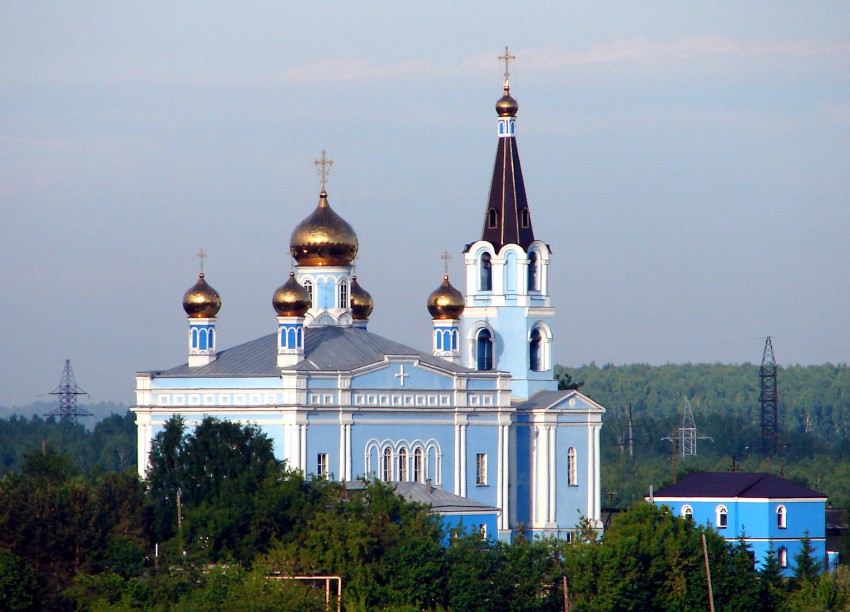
[
  {"x": 752, "y": 485},
  {"x": 508, "y": 200},
  {"x": 555, "y": 399},
  {"x": 440, "y": 500},
  {"x": 326, "y": 348}
]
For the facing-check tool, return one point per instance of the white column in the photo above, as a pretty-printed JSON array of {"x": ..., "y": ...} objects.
[
  {"x": 348, "y": 456},
  {"x": 597, "y": 516},
  {"x": 457, "y": 460},
  {"x": 592, "y": 485},
  {"x": 504, "y": 475},
  {"x": 553, "y": 474},
  {"x": 302, "y": 441},
  {"x": 463, "y": 460}
]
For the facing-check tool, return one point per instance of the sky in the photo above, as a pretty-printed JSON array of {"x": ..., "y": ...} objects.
[{"x": 688, "y": 163}]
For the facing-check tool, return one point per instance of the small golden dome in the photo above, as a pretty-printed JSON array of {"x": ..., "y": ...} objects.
[
  {"x": 324, "y": 238},
  {"x": 201, "y": 301},
  {"x": 362, "y": 303},
  {"x": 291, "y": 299},
  {"x": 507, "y": 106},
  {"x": 446, "y": 302}
]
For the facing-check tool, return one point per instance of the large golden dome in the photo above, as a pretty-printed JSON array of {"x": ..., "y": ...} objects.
[
  {"x": 507, "y": 106},
  {"x": 446, "y": 302},
  {"x": 362, "y": 303},
  {"x": 291, "y": 299},
  {"x": 324, "y": 238},
  {"x": 201, "y": 301}
]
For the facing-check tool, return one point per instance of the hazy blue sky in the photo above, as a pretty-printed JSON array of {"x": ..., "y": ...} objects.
[{"x": 688, "y": 163}]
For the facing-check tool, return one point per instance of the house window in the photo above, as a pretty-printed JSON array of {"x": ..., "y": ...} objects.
[
  {"x": 524, "y": 218},
  {"x": 387, "y": 465},
  {"x": 485, "y": 350},
  {"x": 783, "y": 557},
  {"x": 486, "y": 281},
  {"x": 308, "y": 285},
  {"x": 721, "y": 517},
  {"x": 481, "y": 469},
  {"x": 343, "y": 294},
  {"x": 572, "y": 468},
  {"x": 322, "y": 465},
  {"x": 781, "y": 517},
  {"x": 534, "y": 356},
  {"x": 532, "y": 272},
  {"x": 417, "y": 465},
  {"x": 402, "y": 464},
  {"x": 482, "y": 530},
  {"x": 492, "y": 219},
  {"x": 687, "y": 512}
]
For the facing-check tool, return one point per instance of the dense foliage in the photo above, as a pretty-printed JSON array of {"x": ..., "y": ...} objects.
[{"x": 246, "y": 524}]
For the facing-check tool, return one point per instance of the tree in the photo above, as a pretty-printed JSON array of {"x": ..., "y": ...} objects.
[
  {"x": 806, "y": 567},
  {"x": 17, "y": 584},
  {"x": 771, "y": 583}
]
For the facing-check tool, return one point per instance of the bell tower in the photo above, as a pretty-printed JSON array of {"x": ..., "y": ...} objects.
[{"x": 507, "y": 323}]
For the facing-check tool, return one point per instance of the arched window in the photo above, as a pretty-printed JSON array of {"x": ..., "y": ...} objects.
[
  {"x": 212, "y": 338},
  {"x": 418, "y": 474},
  {"x": 721, "y": 517},
  {"x": 402, "y": 464},
  {"x": 485, "y": 350},
  {"x": 308, "y": 285},
  {"x": 524, "y": 218},
  {"x": 387, "y": 464},
  {"x": 343, "y": 294},
  {"x": 782, "y": 555},
  {"x": 486, "y": 272},
  {"x": 687, "y": 512},
  {"x": 572, "y": 468},
  {"x": 492, "y": 219},
  {"x": 532, "y": 272},
  {"x": 781, "y": 517},
  {"x": 535, "y": 361}
]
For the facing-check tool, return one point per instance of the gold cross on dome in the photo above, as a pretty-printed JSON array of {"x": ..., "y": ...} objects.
[
  {"x": 507, "y": 57},
  {"x": 323, "y": 165},
  {"x": 201, "y": 255},
  {"x": 446, "y": 257}
]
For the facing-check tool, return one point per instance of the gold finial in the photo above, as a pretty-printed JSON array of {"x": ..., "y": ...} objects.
[
  {"x": 446, "y": 257},
  {"x": 201, "y": 255},
  {"x": 507, "y": 57},
  {"x": 325, "y": 168}
]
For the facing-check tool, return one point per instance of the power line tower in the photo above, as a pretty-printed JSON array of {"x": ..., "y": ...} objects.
[
  {"x": 68, "y": 392},
  {"x": 688, "y": 432},
  {"x": 768, "y": 401}
]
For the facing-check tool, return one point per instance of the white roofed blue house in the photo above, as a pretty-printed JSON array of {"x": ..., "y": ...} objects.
[
  {"x": 478, "y": 417},
  {"x": 768, "y": 511}
]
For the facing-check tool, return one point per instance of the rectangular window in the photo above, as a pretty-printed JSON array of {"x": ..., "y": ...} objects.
[
  {"x": 572, "y": 468},
  {"x": 322, "y": 467},
  {"x": 482, "y": 530},
  {"x": 481, "y": 469}
]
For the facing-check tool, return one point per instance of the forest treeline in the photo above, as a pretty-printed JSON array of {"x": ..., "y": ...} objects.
[
  {"x": 814, "y": 418},
  {"x": 220, "y": 524}
]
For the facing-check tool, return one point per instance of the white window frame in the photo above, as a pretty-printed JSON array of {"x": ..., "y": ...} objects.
[
  {"x": 687, "y": 512},
  {"x": 387, "y": 464},
  {"x": 721, "y": 517},
  {"x": 572, "y": 467},
  {"x": 782, "y": 517},
  {"x": 322, "y": 465},
  {"x": 782, "y": 556},
  {"x": 402, "y": 465},
  {"x": 481, "y": 470}
]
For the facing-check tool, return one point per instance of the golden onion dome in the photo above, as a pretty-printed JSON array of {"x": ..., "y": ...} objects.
[
  {"x": 201, "y": 301},
  {"x": 446, "y": 302},
  {"x": 291, "y": 299},
  {"x": 507, "y": 106},
  {"x": 324, "y": 238},
  {"x": 362, "y": 303}
]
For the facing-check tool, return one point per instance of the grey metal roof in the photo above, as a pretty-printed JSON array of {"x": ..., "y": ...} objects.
[
  {"x": 439, "y": 500},
  {"x": 543, "y": 399},
  {"x": 737, "y": 484},
  {"x": 326, "y": 348}
]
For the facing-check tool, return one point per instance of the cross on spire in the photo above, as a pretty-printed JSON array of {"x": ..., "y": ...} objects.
[
  {"x": 201, "y": 255},
  {"x": 507, "y": 57},
  {"x": 446, "y": 257},
  {"x": 323, "y": 165}
]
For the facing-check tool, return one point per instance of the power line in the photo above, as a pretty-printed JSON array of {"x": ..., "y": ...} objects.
[{"x": 68, "y": 392}]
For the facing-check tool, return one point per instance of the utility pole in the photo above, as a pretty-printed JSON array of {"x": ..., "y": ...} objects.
[
  {"x": 68, "y": 392},
  {"x": 768, "y": 401},
  {"x": 631, "y": 434}
]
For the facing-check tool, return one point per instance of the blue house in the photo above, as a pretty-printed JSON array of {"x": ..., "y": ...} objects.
[
  {"x": 477, "y": 415},
  {"x": 769, "y": 511}
]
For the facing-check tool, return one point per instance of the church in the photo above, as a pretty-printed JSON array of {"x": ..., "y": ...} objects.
[{"x": 480, "y": 416}]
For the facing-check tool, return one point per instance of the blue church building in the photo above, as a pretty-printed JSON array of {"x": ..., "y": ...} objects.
[
  {"x": 769, "y": 512},
  {"x": 479, "y": 416}
]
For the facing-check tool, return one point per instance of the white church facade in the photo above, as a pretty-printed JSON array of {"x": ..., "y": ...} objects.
[{"x": 479, "y": 416}]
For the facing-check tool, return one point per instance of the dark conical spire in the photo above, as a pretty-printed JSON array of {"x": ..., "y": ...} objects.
[{"x": 507, "y": 219}]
